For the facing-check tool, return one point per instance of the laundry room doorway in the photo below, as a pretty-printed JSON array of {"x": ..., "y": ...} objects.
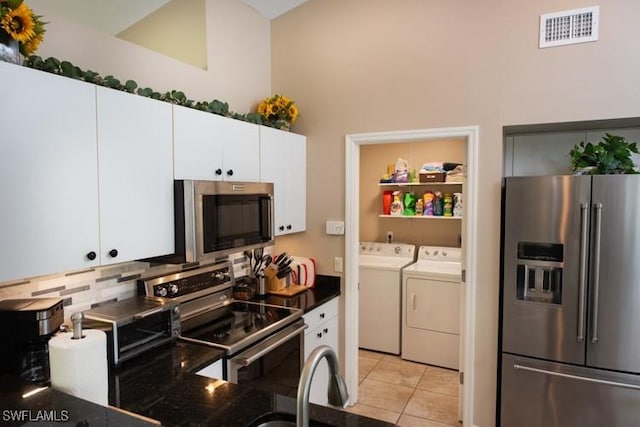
[{"x": 354, "y": 142}]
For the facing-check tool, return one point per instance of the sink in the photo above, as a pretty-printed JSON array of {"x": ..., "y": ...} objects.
[{"x": 282, "y": 419}]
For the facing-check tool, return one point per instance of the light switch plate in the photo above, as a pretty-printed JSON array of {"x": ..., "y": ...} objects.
[{"x": 335, "y": 227}]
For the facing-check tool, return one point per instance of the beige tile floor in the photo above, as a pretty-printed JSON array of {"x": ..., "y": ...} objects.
[{"x": 406, "y": 393}]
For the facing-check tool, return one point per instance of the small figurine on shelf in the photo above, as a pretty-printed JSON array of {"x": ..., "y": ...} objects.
[{"x": 387, "y": 177}]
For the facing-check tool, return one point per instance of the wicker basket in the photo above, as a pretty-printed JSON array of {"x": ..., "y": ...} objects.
[{"x": 432, "y": 176}]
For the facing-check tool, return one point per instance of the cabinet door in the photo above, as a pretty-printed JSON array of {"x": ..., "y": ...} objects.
[
  {"x": 295, "y": 183},
  {"x": 197, "y": 149},
  {"x": 136, "y": 176},
  {"x": 49, "y": 219},
  {"x": 283, "y": 162},
  {"x": 240, "y": 150},
  {"x": 325, "y": 334},
  {"x": 212, "y": 147}
]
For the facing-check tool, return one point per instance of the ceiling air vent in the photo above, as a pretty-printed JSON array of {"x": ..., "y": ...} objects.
[{"x": 569, "y": 27}]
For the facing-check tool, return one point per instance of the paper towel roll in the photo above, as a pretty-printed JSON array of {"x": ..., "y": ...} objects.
[{"x": 79, "y": 367}]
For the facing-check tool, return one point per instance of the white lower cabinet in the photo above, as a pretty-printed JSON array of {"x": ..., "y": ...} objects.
[
  {"x": 213, "y": 370},
  {"x": 323, "y": 330}
]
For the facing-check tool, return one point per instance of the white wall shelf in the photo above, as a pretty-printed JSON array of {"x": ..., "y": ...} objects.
[
  {"x": 415, "y": 184},
  {"x": 420, "y": 217}
]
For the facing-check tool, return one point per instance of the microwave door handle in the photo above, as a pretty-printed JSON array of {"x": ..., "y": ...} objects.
[
  {"x": 596, "y": 270},
  {"x": 272, "y": 217},
  {"x": 258, "y": 352},
  {"x": 584, "y": 235}
]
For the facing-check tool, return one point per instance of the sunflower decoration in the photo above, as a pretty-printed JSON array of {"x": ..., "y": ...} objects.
[
  {"x": 278, "y": 111},
  {"x": 19, "y": 22}
]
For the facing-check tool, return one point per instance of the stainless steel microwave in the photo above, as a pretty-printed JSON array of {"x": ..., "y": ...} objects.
[{"x": 216, "y": 218}]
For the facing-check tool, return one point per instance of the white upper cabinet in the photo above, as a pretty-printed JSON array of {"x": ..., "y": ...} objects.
[
  {"x": 86, "y": 170},
  {"x": 283, "y": 161},
  {"x": 214, "y": 148},
  {"x": 48, "y": 158},
  {"x": 135, "y": 176}
]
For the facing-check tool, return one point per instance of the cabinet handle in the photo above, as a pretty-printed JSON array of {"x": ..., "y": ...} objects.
[
  {"x": 113, "y": 253},
  {"x": 319, "y": 335},
  {"x": 413, "y": 301},
  {"x": 326, "y": 330},
  {"x": 230, "y": 172},
  {"x": 289, "y": 227},
  {"x": 322, "y": 315},
  {"x": 91, "y": 256},
  {"x": 218, "y": 171},
  {"x": 281, "y": 228}
]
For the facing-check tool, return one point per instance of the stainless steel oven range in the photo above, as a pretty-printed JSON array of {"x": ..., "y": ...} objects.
[{"x": 263, "y": 343}]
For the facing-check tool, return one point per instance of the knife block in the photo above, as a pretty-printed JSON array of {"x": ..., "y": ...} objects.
[{"x": 273, "y": 283}]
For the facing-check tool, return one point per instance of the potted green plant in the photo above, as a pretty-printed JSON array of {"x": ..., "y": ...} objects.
[{"x": 612, "y": 155}]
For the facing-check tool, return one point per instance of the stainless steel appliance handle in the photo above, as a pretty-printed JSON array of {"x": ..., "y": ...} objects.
[
  {"x": 576, "y": 377},
  {"x": 596, "y": 270},
  {"x": 148, "y": 313},
  {"x": 260, "y": 350},
  {"x": 272, "y": 217},
  {"x": 584, "y": 235}
]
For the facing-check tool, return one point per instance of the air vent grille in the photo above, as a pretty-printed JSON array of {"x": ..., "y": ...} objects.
[{"x": 569, "y": 27}]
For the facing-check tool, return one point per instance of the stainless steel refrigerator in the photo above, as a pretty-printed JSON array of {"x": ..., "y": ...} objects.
[{"x": 570, "y": 320}]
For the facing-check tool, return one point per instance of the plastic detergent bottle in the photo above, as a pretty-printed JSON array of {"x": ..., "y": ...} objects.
[
  {"x": 419, "y": 206},
  {"x": 428, "y": 204},
  {"x": 438, "y": 203},
  {"x": 409, "y": 204},
  {"x": 396, "y": 205},
  {"x": 447, "y": 207}
]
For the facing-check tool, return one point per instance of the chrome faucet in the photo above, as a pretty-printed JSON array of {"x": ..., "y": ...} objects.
[{"x": 337, "y": 392}]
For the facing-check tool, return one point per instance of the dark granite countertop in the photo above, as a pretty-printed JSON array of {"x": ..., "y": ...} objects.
[
  {"x": 325, "y": 289},
  {"x": 161, "y": 387}
]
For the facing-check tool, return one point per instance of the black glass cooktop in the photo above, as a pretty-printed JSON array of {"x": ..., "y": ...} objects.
[{"x": 241, "y": 324}]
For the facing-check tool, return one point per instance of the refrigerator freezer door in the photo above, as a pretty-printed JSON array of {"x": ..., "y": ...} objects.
[
  {"x": 546, "y": 394},
  {"x": 614, "y": 316},
  {"x": 545, "y": 248}
]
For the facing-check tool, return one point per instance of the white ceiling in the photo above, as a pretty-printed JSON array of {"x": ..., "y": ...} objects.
[{"x": 271, "y": 9}]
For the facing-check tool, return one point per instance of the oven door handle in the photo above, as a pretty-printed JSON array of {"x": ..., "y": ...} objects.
[{"x": 255, "y": 353}]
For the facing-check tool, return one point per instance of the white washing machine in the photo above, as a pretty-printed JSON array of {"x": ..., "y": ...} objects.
[
  {"x": 431, "y": 289},
  {"x": 380, "y": 294}
]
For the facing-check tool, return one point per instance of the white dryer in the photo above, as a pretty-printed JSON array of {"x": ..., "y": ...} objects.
[
  {"x": 431, "y": 290},
  {"x": 380, "y": 293}
]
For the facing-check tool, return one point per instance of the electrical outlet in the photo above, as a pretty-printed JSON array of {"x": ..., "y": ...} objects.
[
  {"x": 389, "y": 236},
  {"x": 338, "y": 264}
]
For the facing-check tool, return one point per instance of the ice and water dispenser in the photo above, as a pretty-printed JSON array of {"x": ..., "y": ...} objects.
[{"x": 539, "y": 273}]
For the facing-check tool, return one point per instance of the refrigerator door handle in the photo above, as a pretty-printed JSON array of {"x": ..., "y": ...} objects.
[
  {"x": 596, "y": 270},
  {"x": 576, "y": 377},
  {"x": 584, "y": 235}
]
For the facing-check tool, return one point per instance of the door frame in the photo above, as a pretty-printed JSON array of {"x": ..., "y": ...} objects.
[{"x": 351, "y": 250}]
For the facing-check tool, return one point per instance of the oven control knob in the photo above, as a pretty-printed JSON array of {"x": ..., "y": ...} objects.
[
  {"x": 173, "y": 289},
  {"x": 161, "y": 292}
]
